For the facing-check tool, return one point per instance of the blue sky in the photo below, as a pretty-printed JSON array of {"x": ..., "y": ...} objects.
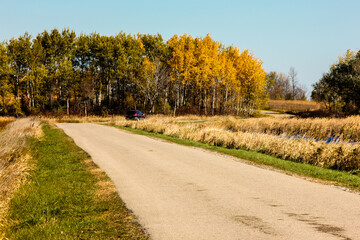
[{"x": 308, "y": 35}]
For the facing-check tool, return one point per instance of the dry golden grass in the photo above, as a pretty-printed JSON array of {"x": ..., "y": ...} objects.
[
  {"x": 344, "y": 156},
  {"x": 14, "y": 159},
  {"x": 293, "y": 106},
  {"x": 105, "y": 187},
  {"x": 346, "y": 129},
  {"x": 74, "y": 119},
  {"x": 5, "y": 121}
]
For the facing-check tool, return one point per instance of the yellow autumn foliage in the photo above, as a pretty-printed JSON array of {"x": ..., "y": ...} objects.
[{"x": 207, "y": 69}]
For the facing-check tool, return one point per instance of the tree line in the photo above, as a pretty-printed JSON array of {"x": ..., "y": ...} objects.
[
  {"x": 58, "y": 72},
  {"x": 281, "y": 86},
  {"x": 339, "y": 89}
]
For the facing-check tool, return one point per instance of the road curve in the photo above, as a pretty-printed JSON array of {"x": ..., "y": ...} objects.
[{"x": 180, "y": 192}]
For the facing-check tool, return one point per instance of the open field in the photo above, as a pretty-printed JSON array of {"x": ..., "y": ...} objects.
[
  {"x": 293, "y": 106},
  {"x": 270, "y": 136}
]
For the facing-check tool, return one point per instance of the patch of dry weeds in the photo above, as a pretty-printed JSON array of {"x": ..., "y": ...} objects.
[
  {"x": 269, "y": 136},
  {"x": 14, "y": 159}
]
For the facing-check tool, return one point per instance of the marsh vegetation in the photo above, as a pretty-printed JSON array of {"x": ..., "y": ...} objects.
[{"x": 269, "y": 135}]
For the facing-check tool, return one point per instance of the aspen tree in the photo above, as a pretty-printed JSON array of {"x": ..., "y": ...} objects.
[{"x": 109, "y": 74}]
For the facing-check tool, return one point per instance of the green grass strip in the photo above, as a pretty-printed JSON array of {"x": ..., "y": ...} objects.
[
  {"x": 335, "y": 177},
  {"x": 61, "y": 199}
]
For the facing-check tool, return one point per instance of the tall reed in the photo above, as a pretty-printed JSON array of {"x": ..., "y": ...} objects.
[
  {"x": 341, "y": 156},
  {"x": 347, "y": 129}
]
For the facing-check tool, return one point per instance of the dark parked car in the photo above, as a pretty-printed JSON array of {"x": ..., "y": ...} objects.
[{"x": 135, "y": 115}]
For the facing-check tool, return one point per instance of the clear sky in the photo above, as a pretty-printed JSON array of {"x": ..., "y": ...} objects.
[{"x": 308, "y": 35}]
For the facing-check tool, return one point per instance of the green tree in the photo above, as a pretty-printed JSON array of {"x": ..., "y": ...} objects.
[
  {"x": 340, "y": 87},
  {"x": 19, "y": 51},
  {"x": 5, "y": 72}
]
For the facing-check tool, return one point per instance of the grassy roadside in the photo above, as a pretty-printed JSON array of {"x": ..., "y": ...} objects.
[
  {"x": 14, "y": 160},
  {"x": 67, "y": 197},
  {"x": 328, "y": 176}
]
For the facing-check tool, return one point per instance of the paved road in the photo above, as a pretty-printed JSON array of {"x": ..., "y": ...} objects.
[
  {"x": 180, "y": 192},
  {"x": 276, "y": 114}
]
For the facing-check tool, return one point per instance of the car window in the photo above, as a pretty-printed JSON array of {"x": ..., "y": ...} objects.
[{"x": 138, "y": 112}]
